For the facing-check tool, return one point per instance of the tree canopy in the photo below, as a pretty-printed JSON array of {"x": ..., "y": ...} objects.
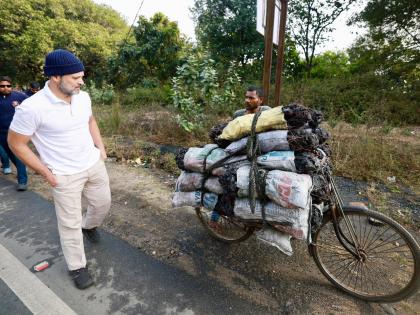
[
  {"x": 29, "y": 29},
  {"x": 310, "y": 21},
  {"x": 392, "y": 44},
  {"x": 154, "y": 52},
  {"x": 395, "y": 19},
  {"x": 227, "y": 30}
]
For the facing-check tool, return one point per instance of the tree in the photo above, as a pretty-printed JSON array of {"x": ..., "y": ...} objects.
[
  {"x": 153, "y": 53},
  {"x": 310, "y": 21},
  {"x": 331, "y": 64},
  {"x": 29, "y": 29},
  {"x": 227, "y": 30},
  {"x": 394, "y": 19},
  {"x": 392, "y": 45}
]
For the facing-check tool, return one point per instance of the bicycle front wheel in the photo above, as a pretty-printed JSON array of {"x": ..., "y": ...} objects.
[
  {"x": 225, "y": 229},
  {"x": 387, "y": 267}
]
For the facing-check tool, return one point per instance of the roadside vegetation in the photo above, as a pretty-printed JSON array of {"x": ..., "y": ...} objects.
[{"x": 151, "y": 85}]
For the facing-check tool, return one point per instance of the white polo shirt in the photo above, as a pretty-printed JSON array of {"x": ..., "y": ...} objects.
[{"x": 59, "y": 130}]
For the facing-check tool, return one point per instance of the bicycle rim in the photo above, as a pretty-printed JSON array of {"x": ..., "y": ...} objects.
[
  {"x": 226, "y": 229},
  {"x": 389, "y": 266}
]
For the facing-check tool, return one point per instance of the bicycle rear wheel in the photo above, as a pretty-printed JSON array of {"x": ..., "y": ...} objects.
[
  {"x": 389, "y": 265},
  {"x": 225, "y": 229}
]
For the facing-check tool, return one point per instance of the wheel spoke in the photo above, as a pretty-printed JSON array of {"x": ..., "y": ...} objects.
[
  {"x": 386, "y": 242},
  {"x": 376, "y": 239},
  {"x": 385, "y": 269}
]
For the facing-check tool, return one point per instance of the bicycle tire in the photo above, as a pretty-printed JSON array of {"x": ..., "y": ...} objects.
[
  {"x": 231, "y": 229},
  {"x": 390, "y": 268}
]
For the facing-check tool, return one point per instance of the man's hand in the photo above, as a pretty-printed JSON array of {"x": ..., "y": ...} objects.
[
  {"x": 50, "y": 178},
  {"x": 103, "y": 155}
]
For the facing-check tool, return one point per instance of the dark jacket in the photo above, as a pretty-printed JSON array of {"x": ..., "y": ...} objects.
[{"x": 7, "y": 109}]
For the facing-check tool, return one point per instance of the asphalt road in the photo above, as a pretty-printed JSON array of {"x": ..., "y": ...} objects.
[{"x": 127, "y": 281}]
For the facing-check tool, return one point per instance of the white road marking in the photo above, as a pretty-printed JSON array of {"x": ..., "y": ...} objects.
[{"x": 36, "y": 296}]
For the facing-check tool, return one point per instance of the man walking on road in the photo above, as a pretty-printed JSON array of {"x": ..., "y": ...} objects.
[
  {"x": 59, "y": 121},
  {"x": 9, "y": 100}
]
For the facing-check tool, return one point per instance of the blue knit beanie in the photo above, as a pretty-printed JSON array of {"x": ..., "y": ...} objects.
[{"x": 62, "y": 62}]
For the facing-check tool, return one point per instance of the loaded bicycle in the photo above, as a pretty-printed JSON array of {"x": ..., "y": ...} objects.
[{"x": 361, "y": 251}]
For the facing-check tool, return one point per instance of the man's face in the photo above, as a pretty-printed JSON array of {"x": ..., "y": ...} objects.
[
  {"x": 34, "y": 90},
  {"x": 70, "y": 84},
  {"x": 252, "y": 100},
  {"x": 5, "y": 87}
]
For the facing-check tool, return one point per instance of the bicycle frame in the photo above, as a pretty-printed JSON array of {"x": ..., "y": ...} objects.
[{"x": 336, "y": 211}]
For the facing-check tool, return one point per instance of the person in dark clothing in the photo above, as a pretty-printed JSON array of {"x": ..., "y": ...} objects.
[
  {"x": 5, "y": 163},
  {"x": 8, "y": 101},
  {"x": 33, "y": 88}
]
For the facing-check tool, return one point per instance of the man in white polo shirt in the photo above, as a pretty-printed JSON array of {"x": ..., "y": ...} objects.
[{"x": 59, "y": 122}]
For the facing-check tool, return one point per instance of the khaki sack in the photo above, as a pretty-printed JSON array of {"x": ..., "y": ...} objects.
[{"x": 271, "y": 119}]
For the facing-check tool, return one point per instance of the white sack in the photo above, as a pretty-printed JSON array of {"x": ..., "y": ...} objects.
[
  {"x": 292, "y": 221},
  {"x": 278, "y": 160},
  {"x": 268, "y": 141},
  {"x": 194, "y": 157},
  {"x": 193, "y": 199},
  {"x": 188, "y": 181},
  {"x": 287, "y": 189},
  {"x": 277, "y": 239}
]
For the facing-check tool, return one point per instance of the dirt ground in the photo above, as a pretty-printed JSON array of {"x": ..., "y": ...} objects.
[{"x": 141, "y": 214}]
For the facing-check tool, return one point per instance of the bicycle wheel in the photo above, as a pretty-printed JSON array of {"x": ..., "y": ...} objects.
[
  {"x": 388, "y": 267},
  {"x": 226, "y": 229}
]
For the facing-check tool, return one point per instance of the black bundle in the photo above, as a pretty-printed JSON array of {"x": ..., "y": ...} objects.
[
  {"x": 320, "y": 189},
  {"x": 226, "y": 201},
  {"x": 299, "y": 116},
  {"x": 302, "y": 140},
  {"x": 322, "y": 134},
  {"x": 228, "y": 180},
  {"x": 316, "y": 218},
  {"x": 316, "y": 118},
  {"x": 307, "y": 163},
  {"x": 179, "y": 158},
  {"x": 215, "y": 132},
  {"x": 326, "y": 149},
  {"x": 225, "y": 204}
]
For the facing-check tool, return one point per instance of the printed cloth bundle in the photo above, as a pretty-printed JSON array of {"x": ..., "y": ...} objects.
[{"x": 292, "y": 156}]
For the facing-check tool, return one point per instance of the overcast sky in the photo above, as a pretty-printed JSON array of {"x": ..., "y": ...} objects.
[{"x": 178, "y": 11}]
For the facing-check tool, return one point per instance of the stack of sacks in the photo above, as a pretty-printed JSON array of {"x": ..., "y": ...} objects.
[{"x": 216, "y": 176}]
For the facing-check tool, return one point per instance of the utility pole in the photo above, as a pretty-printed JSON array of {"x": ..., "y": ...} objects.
[
  {"x": 270, "y": 12},
  {"x": 268, "y": 46},
  {"x": 280, "y": 51}
]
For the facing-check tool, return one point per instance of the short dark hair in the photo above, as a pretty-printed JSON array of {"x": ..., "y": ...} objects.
[
  {"x": 5, "y": 78},
  {"x": 34, "y": 85},
  {"x": 258, "y": 90}
]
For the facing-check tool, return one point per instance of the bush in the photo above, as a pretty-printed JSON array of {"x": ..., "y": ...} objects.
[
  {"x": 366, "y": 98},
  {"x": 140, "y": 96},
  {"x": 100, "y": 96},
  {"x": 198, "y": 89}
]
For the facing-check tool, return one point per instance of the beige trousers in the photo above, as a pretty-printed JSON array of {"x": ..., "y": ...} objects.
[{"x": 93, "y": 184}]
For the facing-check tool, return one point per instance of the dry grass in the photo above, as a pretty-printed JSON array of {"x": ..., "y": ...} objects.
[
  {"x": 372, "y": 155},
  {"x": 157, "y": 126}
]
